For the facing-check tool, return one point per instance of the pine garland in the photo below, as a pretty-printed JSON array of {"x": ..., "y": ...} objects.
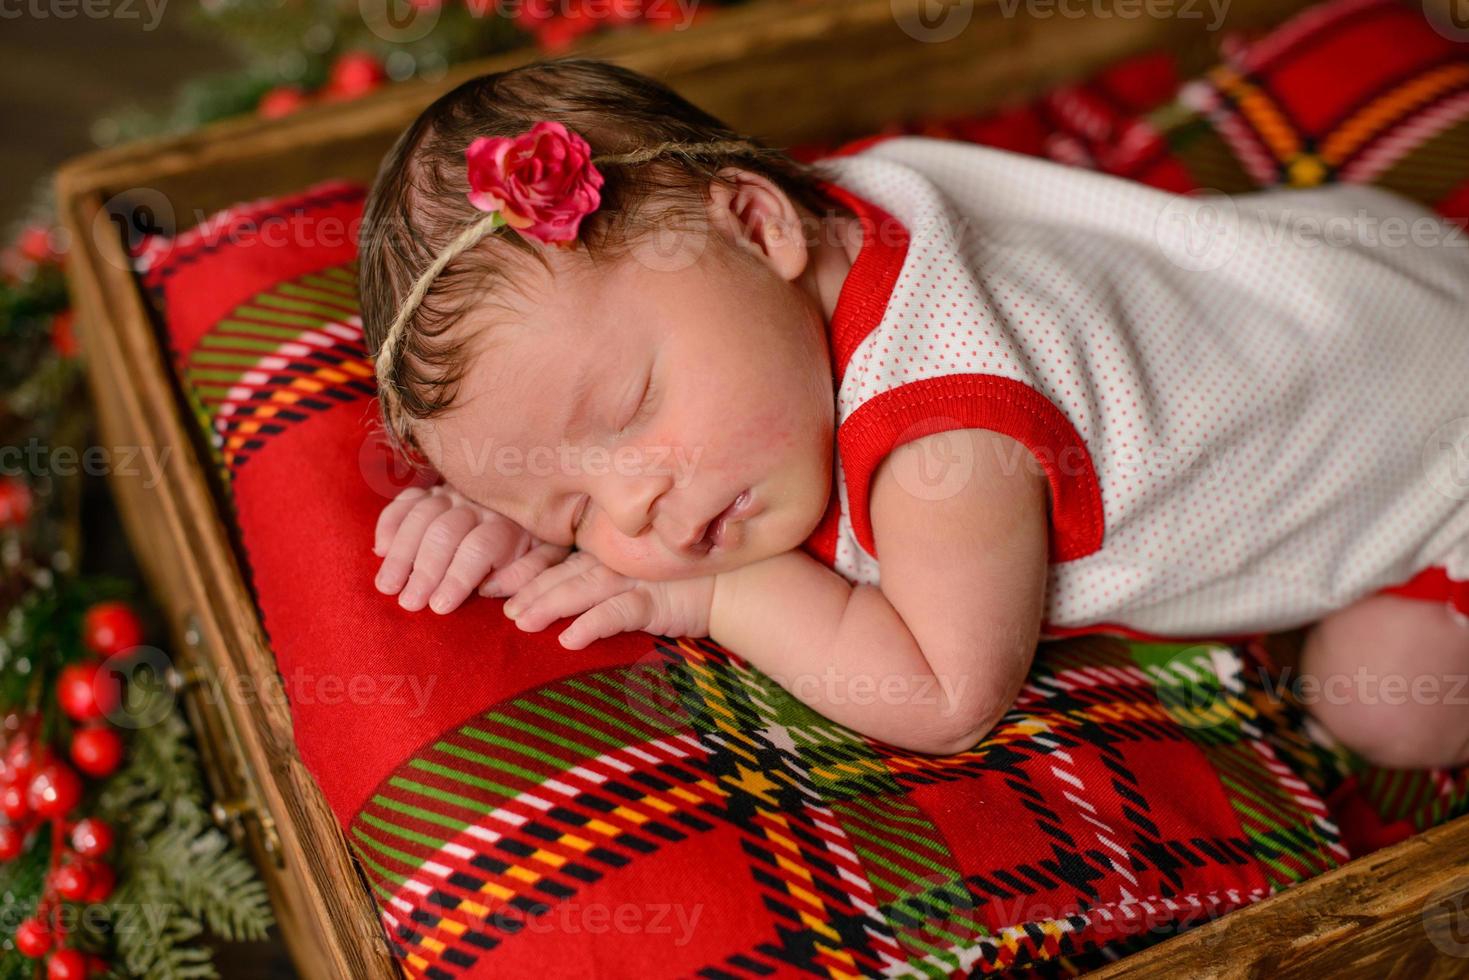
[{"x": 179, "y": 860}]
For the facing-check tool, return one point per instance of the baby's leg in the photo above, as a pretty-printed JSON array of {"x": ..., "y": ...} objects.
[{"x": 1389, "y": 678}]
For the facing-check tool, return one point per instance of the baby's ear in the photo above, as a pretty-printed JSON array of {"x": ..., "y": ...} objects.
[{"x": 758, "y": 217}]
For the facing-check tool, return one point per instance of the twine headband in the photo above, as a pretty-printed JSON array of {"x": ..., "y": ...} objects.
[{"x": 490, "y": 162}]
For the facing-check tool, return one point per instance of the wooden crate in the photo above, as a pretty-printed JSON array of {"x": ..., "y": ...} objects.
[{"x": 788, "y": 70}]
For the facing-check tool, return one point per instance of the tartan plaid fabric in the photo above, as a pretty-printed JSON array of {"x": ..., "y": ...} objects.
[{"x": 653, "y": 805}]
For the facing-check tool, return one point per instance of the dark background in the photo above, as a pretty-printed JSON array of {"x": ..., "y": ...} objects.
[{"x": 57, "y": 76}]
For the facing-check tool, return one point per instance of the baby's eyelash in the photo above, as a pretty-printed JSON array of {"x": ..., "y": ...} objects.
[
  {"x": 644, "y": 404},
  {"x": 642, "y": 408}
]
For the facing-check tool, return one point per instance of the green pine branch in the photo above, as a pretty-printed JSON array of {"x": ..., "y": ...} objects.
[{"x": 180, "y": 873}]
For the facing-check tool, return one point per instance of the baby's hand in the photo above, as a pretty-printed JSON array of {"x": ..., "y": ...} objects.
[
  {"x": 437, "y": 547},
  {"x": 610, "y": 603}
]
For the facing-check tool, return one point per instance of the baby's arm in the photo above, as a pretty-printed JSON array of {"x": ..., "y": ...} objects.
[{"x": 932, "y": 659}]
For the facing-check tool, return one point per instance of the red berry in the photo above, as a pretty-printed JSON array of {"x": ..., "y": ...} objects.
[
  {"x": 15, "y": 502},
  {"x": 84, "y": 693},
  {"x": 54, "y": 790},
  {"x": 66, "y": 964},
  {"x": 96, "y": 751},
  {"x": 32, "y": 938},
  {"x": 103, "y": 881},
  {"x": 12, "y": 842},
  {"x": 72, "y": 882},
  {"x": 35, "y": 244},
  {"x": 63, "y": 333},
  {"x": 354, "y": 73},
  {"x": 281, "y": 101},
  {"x": 14, "y": 803},
  {"x": 19, "y": 757},
  {"x": 111, "y": 627},
  {"x": 91, "y": 837}
]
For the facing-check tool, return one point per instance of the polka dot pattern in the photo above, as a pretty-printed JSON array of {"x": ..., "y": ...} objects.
[{"x": 1264, "y": 402}]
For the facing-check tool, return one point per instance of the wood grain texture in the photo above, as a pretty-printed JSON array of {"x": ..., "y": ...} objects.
[
  {"x": 1402, "y": 911},
  {"x": 791, "y": 72}
]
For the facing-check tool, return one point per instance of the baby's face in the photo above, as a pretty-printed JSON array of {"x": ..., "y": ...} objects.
[{"x": 623, "y": 408}]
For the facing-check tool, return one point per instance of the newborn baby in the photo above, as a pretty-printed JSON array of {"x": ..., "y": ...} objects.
[{"x": 879, "y": 424}]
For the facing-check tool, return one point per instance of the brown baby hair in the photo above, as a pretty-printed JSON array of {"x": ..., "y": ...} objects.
[{"x": 658, "y": 155}]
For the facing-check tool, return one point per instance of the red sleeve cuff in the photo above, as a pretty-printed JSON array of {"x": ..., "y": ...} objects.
[{"x": 977, "y": 401}]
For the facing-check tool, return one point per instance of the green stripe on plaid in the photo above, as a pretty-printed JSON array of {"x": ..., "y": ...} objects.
[{"x": 286, "y": 353}]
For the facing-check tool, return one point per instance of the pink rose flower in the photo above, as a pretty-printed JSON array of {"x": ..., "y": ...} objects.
[{"x": 542, "y": 181}]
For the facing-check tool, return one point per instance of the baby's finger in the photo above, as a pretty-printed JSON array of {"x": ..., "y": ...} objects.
[
  {"x": 622, "y": 613},
  {"x": 550, "y": 578},
  {"x": 581, "y": 587},
  {"x": 392, "y": 516},
  {"x": 519, "y": 573},
  {"x": 399, "y": 562},
  {"x": 441, "y": 540},
  {"x": 477, "y": 555}
]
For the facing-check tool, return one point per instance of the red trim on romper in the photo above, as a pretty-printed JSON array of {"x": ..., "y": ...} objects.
[
  {"x": 863, "y": 298},
  {"x": 977, "y": 401},
  {"x": 1433, "y": 585},
  {"x": 939, "y": 404},
  {"x": 1049, "y": 632},
  {"x": 860, "y": 305}
]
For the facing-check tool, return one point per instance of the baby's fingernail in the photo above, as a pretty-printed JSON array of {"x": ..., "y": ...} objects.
[
  {"x": 411, "y": 599},
  {"x": 512, "y": 608},
  {"x": 491, "y": 589},
  {"x": 440, "y": 603}
]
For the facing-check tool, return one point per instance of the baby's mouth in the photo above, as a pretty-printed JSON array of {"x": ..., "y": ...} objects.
[{"x": 714, "y": 531}]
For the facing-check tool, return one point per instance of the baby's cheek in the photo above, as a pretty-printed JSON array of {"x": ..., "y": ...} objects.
[{"x": 635, "y": 558}]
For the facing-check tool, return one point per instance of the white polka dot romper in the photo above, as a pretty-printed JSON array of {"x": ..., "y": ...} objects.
[{"x": 1251, "y": 410}]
